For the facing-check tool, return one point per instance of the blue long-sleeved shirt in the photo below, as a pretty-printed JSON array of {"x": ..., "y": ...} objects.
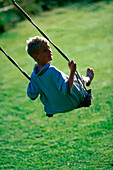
[{"x": 52, "y": 86}]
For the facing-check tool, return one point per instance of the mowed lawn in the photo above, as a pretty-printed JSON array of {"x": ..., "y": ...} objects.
[{"x": 82, "y": 138}]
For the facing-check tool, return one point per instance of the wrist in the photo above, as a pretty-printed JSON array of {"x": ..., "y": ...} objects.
[{"x": 72, "y": 72}]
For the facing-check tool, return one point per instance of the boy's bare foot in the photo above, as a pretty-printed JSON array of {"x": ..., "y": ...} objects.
[{"x": 90, "y": 74}]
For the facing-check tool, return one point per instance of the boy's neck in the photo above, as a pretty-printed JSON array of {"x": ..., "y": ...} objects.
[{"x": 39, "y": 67}]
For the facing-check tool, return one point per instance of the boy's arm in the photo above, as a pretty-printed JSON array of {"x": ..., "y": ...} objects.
[
  {"x": 32, "y": 90},
  {"x": 72, "y": 66},
  {"x": 61, "y": 80}
]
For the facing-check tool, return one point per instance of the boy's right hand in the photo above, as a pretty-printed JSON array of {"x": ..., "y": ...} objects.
[{"x": 72, "y": 66}]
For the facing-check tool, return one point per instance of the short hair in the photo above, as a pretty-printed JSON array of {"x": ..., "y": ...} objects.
[{"x": 33, "y": 45}]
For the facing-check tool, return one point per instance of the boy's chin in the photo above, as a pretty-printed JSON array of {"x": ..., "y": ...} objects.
[{"x": 51, "y": 58}]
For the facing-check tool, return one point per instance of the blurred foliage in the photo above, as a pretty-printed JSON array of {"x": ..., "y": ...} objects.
[{"x": 9, "y": 17}]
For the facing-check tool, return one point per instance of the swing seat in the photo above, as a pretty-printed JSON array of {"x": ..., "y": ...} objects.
[{"x": 87, "y": 100}]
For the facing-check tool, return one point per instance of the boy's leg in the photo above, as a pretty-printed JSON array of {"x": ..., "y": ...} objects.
[{"x": 88, "y": 78}]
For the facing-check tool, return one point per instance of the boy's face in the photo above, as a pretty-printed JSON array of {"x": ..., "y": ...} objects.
[{"x": 45, "y": 54}]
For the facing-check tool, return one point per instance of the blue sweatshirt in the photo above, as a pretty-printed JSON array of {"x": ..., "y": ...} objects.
[{"x": 52, "y": 86}]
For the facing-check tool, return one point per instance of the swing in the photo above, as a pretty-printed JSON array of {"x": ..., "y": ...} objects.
[{"x": 87, "y": 99}]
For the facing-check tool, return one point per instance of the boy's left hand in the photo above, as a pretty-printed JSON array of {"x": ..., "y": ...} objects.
[{"x": 72, "y": 66}]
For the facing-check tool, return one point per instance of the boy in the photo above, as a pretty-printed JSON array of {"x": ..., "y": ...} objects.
[{"x": 58, "y": 92}]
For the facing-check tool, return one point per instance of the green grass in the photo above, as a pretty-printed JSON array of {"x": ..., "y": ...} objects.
[{"x": 80, "y": 139}]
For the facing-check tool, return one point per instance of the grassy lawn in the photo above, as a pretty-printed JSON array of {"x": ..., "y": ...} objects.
[{"x": 82, "y": 138}]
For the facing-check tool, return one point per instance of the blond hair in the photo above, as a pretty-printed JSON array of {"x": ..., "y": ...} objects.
[{"x": 33, "y": 45}]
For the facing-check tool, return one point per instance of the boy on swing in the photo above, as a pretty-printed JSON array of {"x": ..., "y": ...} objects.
[{"x": 58, "y": 92}]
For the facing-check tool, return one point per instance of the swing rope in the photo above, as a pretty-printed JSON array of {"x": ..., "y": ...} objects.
[{"x": 23, "y": 72}]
